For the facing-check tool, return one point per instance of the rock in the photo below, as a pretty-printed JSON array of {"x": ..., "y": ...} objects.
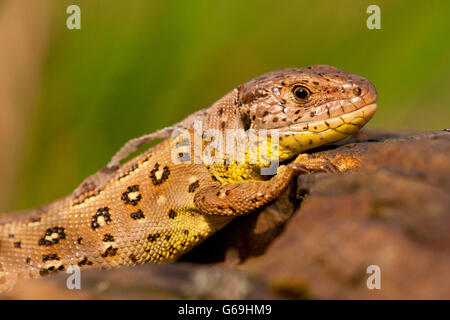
[{"x": 390, "y": 208}]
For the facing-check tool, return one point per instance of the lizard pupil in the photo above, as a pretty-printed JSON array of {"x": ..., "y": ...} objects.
[{"x": 300, "y": 92}]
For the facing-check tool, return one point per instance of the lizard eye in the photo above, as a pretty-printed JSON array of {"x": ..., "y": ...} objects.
[{"x": 301, "y": 93}]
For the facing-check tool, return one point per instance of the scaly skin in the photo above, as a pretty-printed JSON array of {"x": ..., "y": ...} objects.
[{"x": 153, "y": 209}]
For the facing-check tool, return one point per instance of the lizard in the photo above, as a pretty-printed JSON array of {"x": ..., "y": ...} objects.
[{"x": 168, "y": 199}]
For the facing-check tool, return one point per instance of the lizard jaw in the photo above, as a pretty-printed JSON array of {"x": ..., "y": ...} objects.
[{"x": 300, "y": 137}]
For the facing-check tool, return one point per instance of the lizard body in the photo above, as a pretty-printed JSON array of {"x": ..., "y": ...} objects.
[{"x": 165, "y": 201}]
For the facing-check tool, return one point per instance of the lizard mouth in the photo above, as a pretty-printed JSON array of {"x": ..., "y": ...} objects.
[
  {"x": 306, "y": 135},
  {"x": 344, "y": 122}
]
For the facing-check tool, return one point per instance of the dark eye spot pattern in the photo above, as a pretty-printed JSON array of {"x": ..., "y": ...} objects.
[
  {"x": 52, "y": 236},
  {"x": 158, "y": 176},
  {"x": 101, "y": 213},
  {"x": 132, "y": 195},
  {"x": 301, "y": 93}
]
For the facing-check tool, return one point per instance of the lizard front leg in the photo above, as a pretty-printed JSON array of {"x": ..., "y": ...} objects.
[{"x": 240, "y": 198}]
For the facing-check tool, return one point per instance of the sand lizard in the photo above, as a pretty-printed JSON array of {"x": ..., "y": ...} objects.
[{"x": 152, "y": 209}]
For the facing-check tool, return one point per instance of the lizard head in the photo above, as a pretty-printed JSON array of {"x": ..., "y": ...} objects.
[{"x": 308, "y": 106}]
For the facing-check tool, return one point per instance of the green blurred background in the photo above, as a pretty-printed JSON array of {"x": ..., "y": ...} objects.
[{"x": 137, "y": 66}]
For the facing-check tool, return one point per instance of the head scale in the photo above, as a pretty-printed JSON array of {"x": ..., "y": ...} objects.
[{"x": 285, "y": 98}]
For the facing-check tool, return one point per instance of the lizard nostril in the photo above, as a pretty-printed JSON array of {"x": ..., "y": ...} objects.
[{"x": 357, "y": 91}]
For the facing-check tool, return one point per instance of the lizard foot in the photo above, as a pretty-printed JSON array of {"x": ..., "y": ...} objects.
[{"x": 308, "y": 164}]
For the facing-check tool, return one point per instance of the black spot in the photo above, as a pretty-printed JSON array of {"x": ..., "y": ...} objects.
[
  {"x": 84, "y": 262},
  {"x": 283, "y": 101},
  {"x": 58, "y": 231},
  {"x": 164, "y": 176},
  {"x": 186, "y": 232},
  {"x": 220, "y": 112},
  {"x": 184, "y": 157},
  {"x": 108, "y": 238},
  {"x": 109, "y": 252},
  {"x": 137, "y": 215},
  {"x": 28, "y": 260},
  {"x": 223, "y": 125},
  {"x": 153, "y": 237},
  {"x": 133, "y": 258},
  {"x": 193, "y": 186},
  {"x": 172, "y": 214},
  {"x": 49, "y": 257},
  {"x": 315, "y": 83},
  {"x": 10, "y": 235},
  {"x": 126, "y": 198},
  {"x": 100, "y": 212},
  {"x": 312, "y": 114},
  {"x": 79, "y": 240},
  {"x": 35, "y": 219},
  {"x": 18, "y": 244},
  {"x": 275, "y": 119},
  {"x": 232, "y": 209},
  {"x": 168, "y": 237}
]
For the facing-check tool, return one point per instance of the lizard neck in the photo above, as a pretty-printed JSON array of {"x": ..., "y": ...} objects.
[{"x": 284, "y": 144}]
